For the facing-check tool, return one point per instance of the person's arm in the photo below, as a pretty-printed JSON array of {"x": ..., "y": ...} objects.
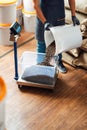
[
  {"x": 72, "y": 6},
  {"x": 39, "y": 11},
  {"x": 40, "y": 15}
]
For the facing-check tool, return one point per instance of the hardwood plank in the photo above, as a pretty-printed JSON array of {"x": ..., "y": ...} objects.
[
  {"x": 25, "y": 37},
  {"x": 64, "y": 108}
]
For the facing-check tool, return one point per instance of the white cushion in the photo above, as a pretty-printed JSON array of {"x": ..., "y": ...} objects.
[{"x": 81, "y": 6}]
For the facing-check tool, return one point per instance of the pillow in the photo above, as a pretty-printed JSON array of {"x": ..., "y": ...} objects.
[
  {"x": 83, "y": 25},
  {"x": 81, "y": 6},
  {"x": 81, "y": 61},
  {"x": 84, "y": 34},
  {"x": 68, "y": 59},
  {"x": 74, "y": 52},
  {"x": 84, "y": 45}
]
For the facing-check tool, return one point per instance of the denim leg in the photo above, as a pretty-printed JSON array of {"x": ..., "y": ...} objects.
[
  {"x": 41, "y": 48},
  {"x": 60, "y": 65},
  {"x": 59, "y": 57}
]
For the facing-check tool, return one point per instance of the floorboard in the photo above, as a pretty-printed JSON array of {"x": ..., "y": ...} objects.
[{"x": 64, "y": 108}]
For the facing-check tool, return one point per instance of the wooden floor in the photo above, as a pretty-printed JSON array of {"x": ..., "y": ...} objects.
[{"x": 64, "y": 108}]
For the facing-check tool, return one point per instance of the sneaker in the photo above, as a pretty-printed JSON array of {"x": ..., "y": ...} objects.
[{"x": 61, "y": 67}]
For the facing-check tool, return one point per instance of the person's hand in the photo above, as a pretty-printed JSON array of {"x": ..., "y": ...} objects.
[
  {"x": 75, "y": 20},
  {"x": 47, "y": 26}
]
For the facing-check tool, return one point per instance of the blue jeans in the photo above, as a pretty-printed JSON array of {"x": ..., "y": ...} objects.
[{"x": 41, "y": 48}]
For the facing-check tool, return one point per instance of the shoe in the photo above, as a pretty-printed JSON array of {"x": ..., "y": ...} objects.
[{"x": 61, "y": 67}]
